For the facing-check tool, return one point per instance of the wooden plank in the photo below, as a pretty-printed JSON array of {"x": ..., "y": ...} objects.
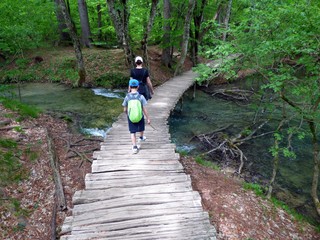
[
  {"x": 137, "y": 182},
  {"x": 174, "y": 196},
  {"x": 164, "y": 231},
  {"x": 87, "y": 196},
  {"x": 150, "y": 152},
  {"x": 170, "y": 219},
  {"x": 133, "y": 212},
  {"x": 142, "y": 177},
  {"x": 136, "y": 167},
  {"x": 181, "y": 235},
  {"x": 145, "y": 145},
  {"x": 129, "y": 175},
  {"x": 67, "y": 225},
  {"x": 139, "y": 200},
  {"x": 126, "y": 162},
  {"x": 108, "y": 156}
]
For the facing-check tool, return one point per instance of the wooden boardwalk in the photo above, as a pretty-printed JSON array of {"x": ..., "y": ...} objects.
[{"x": 145, "y": 195}]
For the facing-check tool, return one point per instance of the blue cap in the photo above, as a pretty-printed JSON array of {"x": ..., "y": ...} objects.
[{"x": 133, "y": 83}]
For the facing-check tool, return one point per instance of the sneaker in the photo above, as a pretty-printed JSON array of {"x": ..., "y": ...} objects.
[
  {"x": 142, "y": 139},
  {"x": 135, "y": 149}
]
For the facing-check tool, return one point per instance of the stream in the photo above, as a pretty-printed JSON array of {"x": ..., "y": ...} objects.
[
  {"x": 204, "y": 114},
  {"x": 94, "y": 110}
]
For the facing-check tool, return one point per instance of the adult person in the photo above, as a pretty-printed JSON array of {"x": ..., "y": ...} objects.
[{"x": 142, "y": 75}]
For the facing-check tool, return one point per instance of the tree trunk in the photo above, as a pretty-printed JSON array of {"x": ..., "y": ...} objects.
[
  {"x": 166, "y": 57},
  {"x": 275, "y": 163},
  {"x": 64, "y": 36},
  {"x": 84, "y": 21},
  {"x": 99, "y": 22},
  {"x": 316, "y": 160},
  {"x": 196, "y": 39},
  {"x": 226, "y": 20},
  {"x": 76, "y": 44},
  {"x": 120, "y": 19},
  {"x": 185, "y": 38},
  {"x": 153, "y": 11}
]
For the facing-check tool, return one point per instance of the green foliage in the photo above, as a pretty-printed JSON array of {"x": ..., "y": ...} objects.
[
  {"x": 10, "y": 166},
  {"x": 18, "y": 210},
  {"x": 7, "y": 143},
  {"x": 25, "y": 24},
  {"x": 256, "y": 188},
  {"x": 205, "y": 73},
  {"x": 206, "y": 163},
  {"x": 23, "y": 109},
  {"x": 183, "y": 152},
  {"x": 292, "y": 212},
  {"x": 112, "y": 80}
]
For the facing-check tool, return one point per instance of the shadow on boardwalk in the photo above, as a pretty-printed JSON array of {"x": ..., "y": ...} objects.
[{"x": 141, "y": 196}]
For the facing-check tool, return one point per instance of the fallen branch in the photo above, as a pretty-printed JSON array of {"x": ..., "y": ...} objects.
[
  {"x": 61, "y": 201},
  {"x": 82, "y": 155},
  {"x": 10, "y": 127},
  {"x": 53, "y": 219},
  {"x": 5, "y": 122},
  {"x": 235, "y": 94}
]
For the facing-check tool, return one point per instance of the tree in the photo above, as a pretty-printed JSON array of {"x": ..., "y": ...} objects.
[
  {"x": 166, "y": 56},
  {"x": 148, "y": 30},
  {"x": 119, "y": 14},
  {"x": 64, "y": 35},
  {"x": 99, "y": 22},
  {"x": 279, "y": 40},
  {"x": 226, "y": 20},
  {"x": 185, "y": 37},
  {"x": 84, "y": 21},
  {"x": 76, "y": 43},
  {"x": 23, "y": 28}
]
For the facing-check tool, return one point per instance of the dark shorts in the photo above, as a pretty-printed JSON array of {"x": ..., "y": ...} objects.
[{"x": 136, "y": 127}]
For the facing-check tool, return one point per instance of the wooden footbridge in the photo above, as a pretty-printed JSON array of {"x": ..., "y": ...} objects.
[{"x": 140, "y": 196}]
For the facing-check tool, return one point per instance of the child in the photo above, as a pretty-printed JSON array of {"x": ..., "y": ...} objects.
[{"x": 139, "y": 126}]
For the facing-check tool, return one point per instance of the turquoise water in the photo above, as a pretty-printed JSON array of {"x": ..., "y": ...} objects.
[{"x": 92, "y": 110}]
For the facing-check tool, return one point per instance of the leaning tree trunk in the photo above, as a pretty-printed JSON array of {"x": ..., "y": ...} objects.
[
  {"x": 84, "y": 21},
  {"x": 120, "y": 18},
  {"x": 153, "y": 12},
  {"x": 275, "y": 163},
  {"x": 316, "y": 166},
  {"x": 76, "y": 44},
  {"x": 185, "y": 38}
]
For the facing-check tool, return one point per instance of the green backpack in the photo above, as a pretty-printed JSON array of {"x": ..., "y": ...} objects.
[{"x": 135, "y": 108}]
